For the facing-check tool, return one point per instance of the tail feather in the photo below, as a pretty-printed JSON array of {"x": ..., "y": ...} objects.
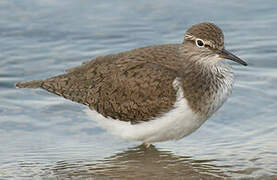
[{"x": 30, "y": 84}]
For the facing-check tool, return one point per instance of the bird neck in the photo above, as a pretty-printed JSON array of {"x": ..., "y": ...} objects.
[{"x": 206, "y": 86}]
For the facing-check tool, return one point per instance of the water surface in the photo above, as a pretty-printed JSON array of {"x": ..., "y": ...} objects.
[{"x": 46, "y": 136}]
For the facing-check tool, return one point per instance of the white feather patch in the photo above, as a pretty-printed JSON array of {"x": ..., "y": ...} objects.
[{"x": 175, "y": 124}]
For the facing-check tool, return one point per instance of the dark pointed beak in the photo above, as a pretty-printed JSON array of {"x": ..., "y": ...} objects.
[{"x": 227, "y": 55}]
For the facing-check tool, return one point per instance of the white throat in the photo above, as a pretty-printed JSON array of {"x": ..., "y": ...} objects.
[{"x": 225, "y": 85}]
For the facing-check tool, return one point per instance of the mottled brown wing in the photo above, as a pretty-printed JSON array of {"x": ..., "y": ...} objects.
[{"x": 127, "y": 90}]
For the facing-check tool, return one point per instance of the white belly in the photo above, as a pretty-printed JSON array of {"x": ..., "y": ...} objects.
[{"x": 175, "y": 124}]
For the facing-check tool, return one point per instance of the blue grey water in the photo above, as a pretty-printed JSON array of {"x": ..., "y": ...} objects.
[{"x": 43, "y": 136}]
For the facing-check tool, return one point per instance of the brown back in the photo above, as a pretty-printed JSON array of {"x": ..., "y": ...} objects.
[{"x": 130, "y": 86}]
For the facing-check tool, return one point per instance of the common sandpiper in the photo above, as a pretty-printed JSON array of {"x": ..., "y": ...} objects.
[{"x": 155, "y": 93}]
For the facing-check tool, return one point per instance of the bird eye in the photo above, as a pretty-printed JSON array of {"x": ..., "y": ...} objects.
[{"x": 199, "y": 43}]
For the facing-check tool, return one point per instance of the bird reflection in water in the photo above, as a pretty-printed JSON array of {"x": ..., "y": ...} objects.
[{"x": 141, "y": 163}]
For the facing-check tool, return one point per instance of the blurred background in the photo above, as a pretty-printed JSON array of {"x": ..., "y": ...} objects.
[{"x": 46, "y": 136}]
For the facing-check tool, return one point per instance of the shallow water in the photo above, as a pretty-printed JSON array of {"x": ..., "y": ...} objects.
[{"x": 45, "y": 136}]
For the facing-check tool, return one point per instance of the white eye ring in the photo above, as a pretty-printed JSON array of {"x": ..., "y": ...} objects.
[{"x": 199, "y": 43}]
